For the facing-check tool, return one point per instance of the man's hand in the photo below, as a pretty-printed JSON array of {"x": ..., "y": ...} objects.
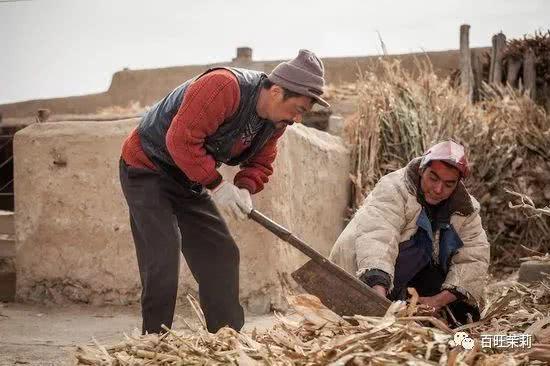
[
  {"x": 380, "y": 289},
  {"x": 232, "y": 200},
  {"x": 438, "y": 301},
  {"x": 377, "y": 279}
]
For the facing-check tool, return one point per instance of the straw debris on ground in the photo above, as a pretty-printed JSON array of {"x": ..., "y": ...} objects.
[{"x": 314, "y": 335}]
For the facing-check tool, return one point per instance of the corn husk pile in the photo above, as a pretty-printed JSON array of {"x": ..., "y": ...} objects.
[
  {"x": 507, "y": 137},
  {"x": 314, "y": 335}
]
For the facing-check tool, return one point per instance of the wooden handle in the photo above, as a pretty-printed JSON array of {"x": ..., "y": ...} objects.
[
  {"x": 317, "y": 257},
  {"x": 287, "y": 236}
]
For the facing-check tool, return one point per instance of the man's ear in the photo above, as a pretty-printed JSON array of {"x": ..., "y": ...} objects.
[{"x": 276, "y": 90}]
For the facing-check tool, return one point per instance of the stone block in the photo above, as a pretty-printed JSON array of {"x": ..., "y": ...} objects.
[
  {"x": 6, "y": 222},
  {"x": 7, "y": 286},
  {"x": 7, "y": 246},
  {"x": 532, "y": 271}
]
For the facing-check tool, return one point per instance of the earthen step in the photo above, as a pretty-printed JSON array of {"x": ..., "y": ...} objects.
[
  {"x": 7, "y": 225},
  {"x": 7, "y": 286},
  {"x": 7, "y": 246},
  {"x": 532, "y": 271}
]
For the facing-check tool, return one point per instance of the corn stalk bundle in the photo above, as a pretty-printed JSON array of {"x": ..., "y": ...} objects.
[{"x": 540, "y": 44}]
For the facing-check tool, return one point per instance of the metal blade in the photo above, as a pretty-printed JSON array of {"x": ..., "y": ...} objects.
[{"x": 339, "y": 295}]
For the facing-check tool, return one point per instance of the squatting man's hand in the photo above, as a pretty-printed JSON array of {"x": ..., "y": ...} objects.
[
  {"x": 232, "y": 200},
  {"x": 438, "y": 301},
  {"x": 381, "y": 290},
  {"x": 434, "y": 303}
]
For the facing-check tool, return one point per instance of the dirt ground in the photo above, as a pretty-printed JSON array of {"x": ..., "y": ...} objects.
[{"x": 48, "y": 335}]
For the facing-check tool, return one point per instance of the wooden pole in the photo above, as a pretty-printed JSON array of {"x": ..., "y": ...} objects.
[
  {"x": 477, "y": 71},
  {"x": 499, "y": 43},
  {"x": 466, "y": 74},
  {"x": 512, "y": 73},
  {"x": 529, "y": 73},
  {"x": 493, "y": 58}
]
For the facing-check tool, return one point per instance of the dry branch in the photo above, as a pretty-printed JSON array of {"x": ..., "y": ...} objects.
[{"x": 527, "y": 204}]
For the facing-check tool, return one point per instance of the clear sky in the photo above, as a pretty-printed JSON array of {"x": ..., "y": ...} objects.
[{"x": 53, "y": 48}]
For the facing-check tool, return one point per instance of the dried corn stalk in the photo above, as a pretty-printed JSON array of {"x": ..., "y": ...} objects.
[{"x": 314, "y": 336}]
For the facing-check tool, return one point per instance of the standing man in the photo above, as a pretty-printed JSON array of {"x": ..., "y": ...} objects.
[
  {"x": 168, "y": 172},
  {"x": 420, "y": 228}
]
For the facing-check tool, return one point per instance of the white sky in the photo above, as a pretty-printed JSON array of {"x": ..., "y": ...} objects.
[{"x": 51, "y": 48}]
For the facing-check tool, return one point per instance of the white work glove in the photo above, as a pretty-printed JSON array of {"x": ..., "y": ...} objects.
[{"x": 232, "y": 200}]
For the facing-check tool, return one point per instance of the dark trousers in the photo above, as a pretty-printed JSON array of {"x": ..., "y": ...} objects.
[
  {"x": 166, "y": 217},
  {"x": 428, "y": 282}
]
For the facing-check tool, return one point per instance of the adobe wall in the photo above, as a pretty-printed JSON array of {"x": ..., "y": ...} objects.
[
  {"x": 78, "y": 247},
  {"x": 148, "y": 86}
]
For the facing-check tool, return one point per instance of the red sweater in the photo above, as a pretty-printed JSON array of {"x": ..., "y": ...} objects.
[{"x": 207, "y": 103}]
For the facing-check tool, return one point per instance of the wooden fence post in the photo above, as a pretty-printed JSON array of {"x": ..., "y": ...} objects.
[
  {"x": 495, "y": 73},
  {"x": 466, "y": 74},
  {"x": 512, "y": 73},
  {"x": 477, "y": 74},
  {"x": 493, "y": 57}
]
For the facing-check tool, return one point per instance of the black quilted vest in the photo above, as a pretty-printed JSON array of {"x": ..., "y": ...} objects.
[{"x": 155, "y": 123}]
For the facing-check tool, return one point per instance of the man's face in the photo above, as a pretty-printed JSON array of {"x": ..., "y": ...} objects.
[
  {"x": 438, "y": 182},
  {"x": 288, "y": 110}
]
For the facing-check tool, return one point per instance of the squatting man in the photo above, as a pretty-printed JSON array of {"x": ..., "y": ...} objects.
[{"x": 420, "y": 228}]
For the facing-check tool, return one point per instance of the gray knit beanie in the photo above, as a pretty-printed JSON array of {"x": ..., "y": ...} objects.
[{"x": 304, "y": 75}]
